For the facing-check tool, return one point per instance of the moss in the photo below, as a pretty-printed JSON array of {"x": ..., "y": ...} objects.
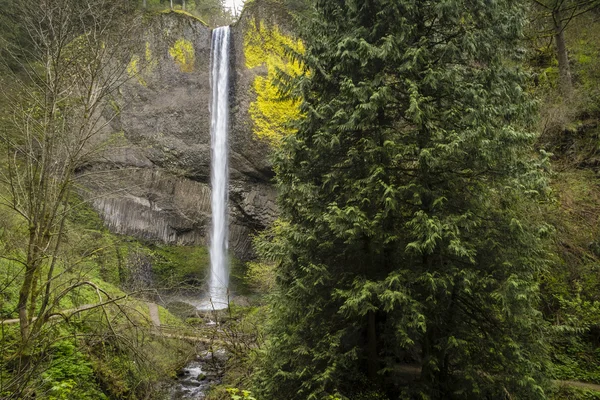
[
  {"x": 182, "y": 309},
  {"x": 183, "y": 54},
  {"x": 166, "y": 318},
  {"x": 174, "y": 266},
  {"x": 238, "y": 281},
  {"x": 133, "y": 69},
  {"x": 270, "y": 113},
  {"x": 151, "y": 61},
  {"x": 138, "y": 67}
]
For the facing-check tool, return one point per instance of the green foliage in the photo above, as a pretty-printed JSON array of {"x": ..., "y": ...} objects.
[
  {"x": 569, "y": 393},
  {"x": 564, "y": 122},
  {"x": 70, "y": 375},
  {"x": 571, "y": 285},
  {"x": 261, "y": 276},
  {"x": 78, "y": 369},
  {"x": 10, "y": 272},
  {"x": 267, "y": 46},
  {"x": 237, "y": 394},
  {"x": 12, "y": 36},
  {"x": 183, "y": 54},
  {"x": 584, "y": 39},
  {"x": 179, "y": 265},
  {"x": 133, "y": 70},
  {"x": 238, "y": 276},
  {"x": 409, "y": 196},
  {"x": 242, "y": 334}
]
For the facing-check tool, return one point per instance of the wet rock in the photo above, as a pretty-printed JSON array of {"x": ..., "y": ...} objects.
[
  {"x": 154, "y": 177},
  {"x": 189, "y": 384},
  {"x": 182, "y": 309}
]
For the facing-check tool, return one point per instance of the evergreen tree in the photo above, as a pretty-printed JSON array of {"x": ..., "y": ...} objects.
[{"x": 407, "y": 261}]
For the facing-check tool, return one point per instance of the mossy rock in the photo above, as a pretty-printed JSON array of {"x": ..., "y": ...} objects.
[
  {"x": 195, "y": 321},
  {"x": 182, "y": 310},
  {"x": 177, "y": 266}
]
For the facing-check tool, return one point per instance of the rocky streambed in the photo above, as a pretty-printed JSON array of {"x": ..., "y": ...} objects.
[{"x": 195, "y": 379}]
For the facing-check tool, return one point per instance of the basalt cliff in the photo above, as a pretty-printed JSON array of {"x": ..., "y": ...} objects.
[{"x": 155, "y": 180}]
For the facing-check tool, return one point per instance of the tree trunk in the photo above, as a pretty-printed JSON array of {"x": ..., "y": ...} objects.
[
  {"x": 564, "y": 71},
  {"x": 22, "y": 304},
  {"x": 171, "y": 2},
  {"x": 371, "y": 346},
  {"x": 144, "y": 5},
  {"x": 183, "y": 5}
]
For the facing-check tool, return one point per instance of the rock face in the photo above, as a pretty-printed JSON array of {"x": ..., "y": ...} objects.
[{"x": 156, "y": 172}]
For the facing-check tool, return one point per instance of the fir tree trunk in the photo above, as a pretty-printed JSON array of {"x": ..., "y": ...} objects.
[
  {"x": 566, "y": 85},
  {"x": 371, "y": 346}
]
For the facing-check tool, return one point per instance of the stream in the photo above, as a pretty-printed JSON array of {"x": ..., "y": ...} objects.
[
  {"x": 206, "y": 368},
  {"x": 192, "y": 383},
  {"x": 195, "y": 379}
]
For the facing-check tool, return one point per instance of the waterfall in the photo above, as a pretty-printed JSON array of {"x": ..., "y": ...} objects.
[{"x": 219, "y": 271}]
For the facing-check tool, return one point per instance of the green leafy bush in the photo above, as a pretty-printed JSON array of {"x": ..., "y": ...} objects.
[
  {"x": 70, "y": 375},
  {"x": 239, "y": 394}
]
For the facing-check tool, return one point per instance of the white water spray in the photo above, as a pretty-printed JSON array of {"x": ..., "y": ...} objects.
[{"x": 219, "y": 271}]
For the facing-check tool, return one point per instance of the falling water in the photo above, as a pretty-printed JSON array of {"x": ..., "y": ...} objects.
[{"x": 219, "y": 274}]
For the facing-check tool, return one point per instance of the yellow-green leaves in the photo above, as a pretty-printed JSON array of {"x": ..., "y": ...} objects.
[
  {"x": 183, "y": 54},
  {"x": 268, "y": 47},
  {"x": 133, "y": 69},
  {"x": 138, "y": 68}
]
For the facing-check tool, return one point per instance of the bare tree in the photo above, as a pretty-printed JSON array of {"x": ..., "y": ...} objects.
[
  {"x": 60, "y": 108},
  {"x": 560, "y": 13}
]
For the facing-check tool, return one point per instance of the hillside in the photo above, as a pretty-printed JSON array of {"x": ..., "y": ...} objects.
[{"x": 414, "y": 201}]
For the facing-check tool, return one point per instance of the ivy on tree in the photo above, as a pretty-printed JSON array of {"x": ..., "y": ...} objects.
[{"x": 407, "y": 260}]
